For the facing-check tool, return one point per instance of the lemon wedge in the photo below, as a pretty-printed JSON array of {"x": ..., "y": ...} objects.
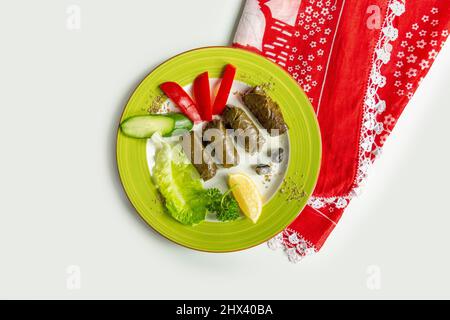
[{"x": 246, "y": 194}]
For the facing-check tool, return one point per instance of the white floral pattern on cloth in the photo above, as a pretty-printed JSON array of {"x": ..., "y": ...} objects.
[
  {"x": 315, "y": 24},
  {"x": 295, "y": 245},
  {"x": 419, "y": 47},
  {"x": 373, "y": 106},
  {"x": 331, "y": 202}
]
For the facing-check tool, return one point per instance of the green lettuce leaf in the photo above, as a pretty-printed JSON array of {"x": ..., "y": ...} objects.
[{"x": 179, "y": 183}]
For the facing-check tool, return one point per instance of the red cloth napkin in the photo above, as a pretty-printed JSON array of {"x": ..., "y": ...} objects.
[{"x": 360, "y": 62}]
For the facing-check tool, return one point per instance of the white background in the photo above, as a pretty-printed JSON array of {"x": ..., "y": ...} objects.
[{"x": 61, "y": 202}]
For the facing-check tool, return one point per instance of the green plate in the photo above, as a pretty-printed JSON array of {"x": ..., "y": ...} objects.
[{"x": 302, "y": 171}]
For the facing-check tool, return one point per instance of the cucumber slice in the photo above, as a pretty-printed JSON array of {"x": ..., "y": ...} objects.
[
  {"x": 182, "y": 124},
  {"x": 142, "y": 127}
]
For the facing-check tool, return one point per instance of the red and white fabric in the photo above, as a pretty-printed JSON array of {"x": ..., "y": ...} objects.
[{"x": 360, "y": 62}]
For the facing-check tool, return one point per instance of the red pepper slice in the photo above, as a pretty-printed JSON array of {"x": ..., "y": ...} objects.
[
  {"x": 224, "y": 89},
  {"x": 202, "y": 94},
  {"x": 180, "y": 97}
]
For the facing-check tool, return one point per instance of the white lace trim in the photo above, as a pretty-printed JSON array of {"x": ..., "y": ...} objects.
[
  {"x": 295, "y": 246},
  {"x": 373, "y": 105}
]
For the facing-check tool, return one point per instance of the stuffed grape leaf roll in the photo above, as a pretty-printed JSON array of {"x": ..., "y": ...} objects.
[
  {"x": 217, "y": 137},
  {"x": 266, "y": 110},
  {"x": 246, "y": 133},
  {"x": 202, "y": 160}
]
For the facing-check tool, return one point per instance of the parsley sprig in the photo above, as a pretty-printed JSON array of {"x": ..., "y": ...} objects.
[{"x": 223, "y": 204}]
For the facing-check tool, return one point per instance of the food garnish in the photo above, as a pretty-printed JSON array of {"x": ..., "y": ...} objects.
[
  {"x": 202, "y": 94},
  {"x": 145, "y": 126},
  {"x": 291, "y": 190},
  {"x": 181, "y": 99},
  {"x": 182, "y": 124},
  {"x": 223, "y": 204},
  {"x": 179, "y": 184},
  {"x": 156, "y": 104},
  {"x": 246, "y": 194},
  {"x": 224, "y": 89}
]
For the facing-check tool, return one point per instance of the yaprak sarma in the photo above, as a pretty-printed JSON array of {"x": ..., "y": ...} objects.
[
  {"x": 266, "y": 110},
  {"x": 246, "y": 132},
  {"x": 217, "y": 137},
  {"x": 199, "y": 157}
]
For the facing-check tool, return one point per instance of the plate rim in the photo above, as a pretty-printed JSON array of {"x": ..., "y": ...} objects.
[{"x": 319, "y": 136}]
